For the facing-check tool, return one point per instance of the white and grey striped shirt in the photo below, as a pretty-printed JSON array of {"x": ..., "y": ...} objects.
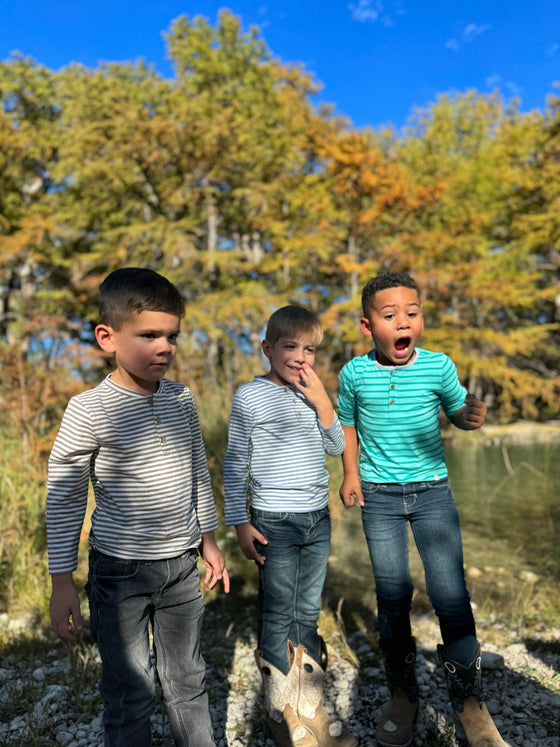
[
  {"x": 146, "y": 460},
  {"x": 276, "y": 452}
]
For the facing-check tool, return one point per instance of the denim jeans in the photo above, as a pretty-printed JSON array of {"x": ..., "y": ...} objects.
[
  {"x": 125, "y": 598},
  {"x": 291, "y": 580},
  {"x": 430, "y": 509}
]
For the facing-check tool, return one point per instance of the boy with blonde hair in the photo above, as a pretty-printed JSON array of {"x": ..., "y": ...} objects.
[{"x": 280, "y": 428}]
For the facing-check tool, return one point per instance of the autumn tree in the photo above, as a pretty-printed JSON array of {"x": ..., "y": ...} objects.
[
  {"x": 29, "y": 141},
  {"x": 227, "y": 179},
  {"x": 259, "y": 188},
  {"x": 481, "y": 287}
]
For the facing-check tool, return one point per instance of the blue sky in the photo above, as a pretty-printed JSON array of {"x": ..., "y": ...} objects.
[{"x": 376, "y": 59}]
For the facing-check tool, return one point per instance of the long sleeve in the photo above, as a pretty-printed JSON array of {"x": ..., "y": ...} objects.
[
  {"x": 202, "y": 495},
  {"x": 69, "y": 468},
  {"x": 237, "y": 461},
  {"x": 333, "y": 437}
]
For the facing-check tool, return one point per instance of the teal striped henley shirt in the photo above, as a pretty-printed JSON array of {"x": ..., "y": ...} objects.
[{"x": 395, "y": 410}]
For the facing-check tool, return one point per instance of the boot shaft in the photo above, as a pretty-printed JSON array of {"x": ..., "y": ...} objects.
[
  {"x": 400, "y": 668},
  {"x": 307, "y": 677},
  {"x": 463, "y": 682}
]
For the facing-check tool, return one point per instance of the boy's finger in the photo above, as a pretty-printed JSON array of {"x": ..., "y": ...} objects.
[{"x": 225, "y": 580}]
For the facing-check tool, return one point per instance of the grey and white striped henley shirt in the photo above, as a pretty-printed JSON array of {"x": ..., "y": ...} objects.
[
  {"x": 275, "y": 457},
  {"x": 147, "y": 464}
]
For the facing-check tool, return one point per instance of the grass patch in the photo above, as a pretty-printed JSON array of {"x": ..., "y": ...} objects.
[{"x": 57, "y": 668}]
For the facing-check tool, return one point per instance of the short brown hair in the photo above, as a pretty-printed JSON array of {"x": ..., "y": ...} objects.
[
  {"x": 131, "y": 290},
  {"x": 293, "y": 321}
]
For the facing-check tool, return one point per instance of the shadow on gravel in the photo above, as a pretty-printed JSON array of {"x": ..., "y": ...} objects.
[
  {"x": 526, "y": 711},
  {"x": 547, "y": 651},
  {"x": 230, "y": 619}
]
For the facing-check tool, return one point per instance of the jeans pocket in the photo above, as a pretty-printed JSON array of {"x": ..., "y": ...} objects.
[
  {"x": 261, "y": 518},
  {"x": 103, "y": 566},
  {"x": 435, "y": 485},
  {"x": 371, "y": 488}
]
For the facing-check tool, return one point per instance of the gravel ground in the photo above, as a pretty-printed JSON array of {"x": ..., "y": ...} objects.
[{"x": 522, "y": 685}]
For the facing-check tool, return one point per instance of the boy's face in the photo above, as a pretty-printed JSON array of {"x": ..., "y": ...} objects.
[
  {"x": 144, "y": 348},
  {"x": 395, "y": 322},
  {"x": 287, "y": 356}
]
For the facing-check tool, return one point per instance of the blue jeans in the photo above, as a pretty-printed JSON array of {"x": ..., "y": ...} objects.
[
  {"x": 430, "y": 509},
  {"x": 291, "y": 581},
  {"x": 125, "y": 597}
]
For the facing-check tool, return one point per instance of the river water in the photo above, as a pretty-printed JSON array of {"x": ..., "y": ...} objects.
[{"x": 509, "y": 504}]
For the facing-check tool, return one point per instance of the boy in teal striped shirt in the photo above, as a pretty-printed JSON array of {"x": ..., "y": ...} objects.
[{"x": 389, "y": 406}]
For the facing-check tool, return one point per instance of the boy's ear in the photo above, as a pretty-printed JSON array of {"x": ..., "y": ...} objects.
[
  {"x": 365, "y": 326},
  {"x": 266, "y": 348},
  {"x": 104, "y": 337}
]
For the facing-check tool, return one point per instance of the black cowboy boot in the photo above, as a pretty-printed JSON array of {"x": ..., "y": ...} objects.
[
  {"x": 465, "y": 691},
  {"x": 395, "y": 726}
]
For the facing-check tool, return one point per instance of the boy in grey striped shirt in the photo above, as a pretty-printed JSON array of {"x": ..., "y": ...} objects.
[
  {"x": 136, "y": 437},
  {"x": 281, "y": 425}
]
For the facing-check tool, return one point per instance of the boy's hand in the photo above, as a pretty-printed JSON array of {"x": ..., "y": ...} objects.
[
  {"x": 246, "y": 536},
  {"x": 472, "y": 415},
  {"x": 475, "y": 411},
  {"x": 351, "y": 492},
  {"x": 214, "y": 561},
  {"x": 312, "y": 387},
  {"x": 66, "y": 617}
]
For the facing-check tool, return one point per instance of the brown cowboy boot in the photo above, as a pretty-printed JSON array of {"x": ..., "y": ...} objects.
[
  {"x": 276, "y": 697},
  {"x": 306, "y": 708}
]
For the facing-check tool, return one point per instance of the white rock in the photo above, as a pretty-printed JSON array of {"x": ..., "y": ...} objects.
[
  {"x": 39, "y": 674},
  {"x": 64, "y": 737}
]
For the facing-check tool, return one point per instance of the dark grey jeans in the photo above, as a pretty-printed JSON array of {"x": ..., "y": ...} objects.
[{"x": 125, "y": 596}]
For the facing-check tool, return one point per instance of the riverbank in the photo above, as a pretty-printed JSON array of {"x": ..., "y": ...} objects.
[
  {"x": 521, "y": 433},
  {"x": 522, "y": 685}
]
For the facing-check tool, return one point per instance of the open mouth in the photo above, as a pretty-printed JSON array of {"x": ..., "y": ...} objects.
[{"x": 402, "y": 344}]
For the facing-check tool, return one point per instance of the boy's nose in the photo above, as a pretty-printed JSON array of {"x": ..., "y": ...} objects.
[{"x": 166, "y": 348}]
